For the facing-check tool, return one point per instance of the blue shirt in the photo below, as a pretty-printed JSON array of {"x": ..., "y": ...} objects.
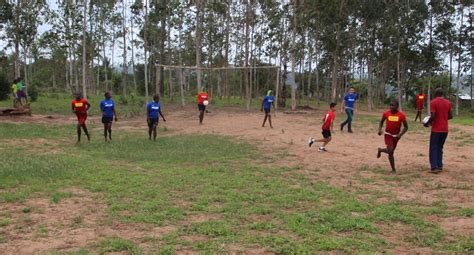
[
  {"x": 107, "y": 106},
  {"x": 153, "y": 109},
  {"x": 350, "y": 99},
  {"x": 268, "y": 101}
]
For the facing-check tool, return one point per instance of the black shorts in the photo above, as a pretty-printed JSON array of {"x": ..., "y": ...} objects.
[
  {"x": 201, "y": 107},
  {"x": 266, "y": 110},
  {"x": 326, "y": 133},
  {"x": 152, "y": 122},
  {"x": 106, "y": 120}
]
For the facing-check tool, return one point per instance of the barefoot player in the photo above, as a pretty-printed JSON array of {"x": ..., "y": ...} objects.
[
  {"x": 80, "y": 106},
  {"x": 107, "y": 106},
  {"x": 328, "y": 123},
  {"x": 153, "y": 109},
  {"x": 394, "y": 119},
  {"x": 268, "y": 102}
]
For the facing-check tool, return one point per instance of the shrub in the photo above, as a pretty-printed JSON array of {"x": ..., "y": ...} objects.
[
  {"x": 4, "y": 87},
  {"x": 33, "y": 93}
]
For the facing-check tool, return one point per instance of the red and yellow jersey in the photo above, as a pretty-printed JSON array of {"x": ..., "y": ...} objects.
[
  {"x": 394, "y": 121},
  {"x": 80, "y": 105}
]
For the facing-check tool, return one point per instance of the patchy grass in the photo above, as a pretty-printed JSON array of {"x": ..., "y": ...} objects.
[{"x": 177, "y": 178}]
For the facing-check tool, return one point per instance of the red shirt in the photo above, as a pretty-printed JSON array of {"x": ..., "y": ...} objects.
[
  {"x": 420, "y": 100},
  {"x": 80, "y": 105},
  {"x": 394, "y": 121},
  {"x": 328, "y": 119},
  {"x": 202, "y": 97},
  {"x": 441, "y": 107}
]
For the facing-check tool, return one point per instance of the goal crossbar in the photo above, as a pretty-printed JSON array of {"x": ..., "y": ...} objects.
[{"x": 217, "y": 68}]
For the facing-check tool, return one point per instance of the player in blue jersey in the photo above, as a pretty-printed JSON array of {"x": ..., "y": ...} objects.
[
  {"x": 268, "y": 102},
  {"x": 153, "y": 110},
  {"x": 107, "y": 106},
  {"x": 348, "y": 105}
]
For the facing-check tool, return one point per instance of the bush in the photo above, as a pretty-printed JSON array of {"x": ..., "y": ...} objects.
[
  {"x": 33, "y": 93},
  {"x": 4, "y": 87}
]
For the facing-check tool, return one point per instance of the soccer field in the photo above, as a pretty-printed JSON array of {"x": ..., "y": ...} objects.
[{"x": 229, "y": 186}]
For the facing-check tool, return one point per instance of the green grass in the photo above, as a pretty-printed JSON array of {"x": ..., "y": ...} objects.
[{"x": 176, "y": 178}]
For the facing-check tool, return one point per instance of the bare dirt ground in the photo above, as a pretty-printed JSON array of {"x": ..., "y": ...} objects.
[{"x": 350, "y": 163}]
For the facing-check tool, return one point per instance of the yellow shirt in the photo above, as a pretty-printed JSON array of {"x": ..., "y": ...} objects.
[{"x": 14, "y": 88}]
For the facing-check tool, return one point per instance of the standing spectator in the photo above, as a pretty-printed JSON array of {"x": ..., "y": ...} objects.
[
  {"x": 441, "y": 112},
  {"x": 348, "y": 105}
]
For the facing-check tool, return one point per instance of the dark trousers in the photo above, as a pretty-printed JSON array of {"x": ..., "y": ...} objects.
[
  {"x": 348, "y": 121},
  {"x": 436, "y": 149}
]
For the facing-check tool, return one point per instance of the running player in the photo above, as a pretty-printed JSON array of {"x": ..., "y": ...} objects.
[
  {"x": 107, "y": 106},
  {"x": 153, "y": 108},
  {"x": 201, "y": 97},
  {"x": 328, "y": 123},
  {"x": 394, "y": 119},
  {"x": 80, "y": 106},
  {"x": 268, "y": 102},
  {"x": 420, "y": 102}
]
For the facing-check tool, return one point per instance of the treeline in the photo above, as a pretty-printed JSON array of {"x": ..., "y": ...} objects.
[{"x": 96, "y": 45}]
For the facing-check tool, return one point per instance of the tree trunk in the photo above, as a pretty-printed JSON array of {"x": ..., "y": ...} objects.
[
  {"x": 226, "y": 54},
  {"x": 398, "y": 78},
  {"x": 133, "y": 55},
  {"x": 84, "y": 51},
  {"x": 293, "y": 56},
  {"x": 310, "y": 70},
  {"x": 170, "y": 85},
  {"x": 145, "y": 42},
  {"x": 125, "y": 67},
  {"x": 198, "y": 43},
  {"x": 181, "y": 86},
  {"x": 318, "y": 93},
  {"x": 370, "y": 104},
  {"x": 161, "y": 79},
  {"x": 16, "y": 68},
  {"x": 458, "y": 78},
  {"x": 246, "y": 60}
]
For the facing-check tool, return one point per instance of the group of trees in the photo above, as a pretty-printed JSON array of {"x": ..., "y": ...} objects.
[{"x": 320, "y": 45}]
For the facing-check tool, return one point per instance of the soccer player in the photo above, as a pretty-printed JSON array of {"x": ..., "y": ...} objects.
[
  {"x": 201, "y": 97},
  {"x": 394, "y": 119},
  {"x": 153, "y": 108},
  {"x": 420, "y": 101},
  {"x": 80, "y": 106},
  {"x": 441, "y": 112},
  {"x": 348, "y": 105},
  {"x": 21, "y": 91},
  {"x": 328, "y": 123},
  {"x": 107, "y": 106},
  {"x": 268, "y": 102}
]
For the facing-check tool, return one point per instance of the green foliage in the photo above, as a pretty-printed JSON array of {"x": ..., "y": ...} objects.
[
  {"x": 33, "y": 93},
  {"x": 5, "y": 87}
]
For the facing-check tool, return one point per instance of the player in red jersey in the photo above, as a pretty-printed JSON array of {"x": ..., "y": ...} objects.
[
  {"x": 420, "y": 101},
  {"x": 394, "y": 119},
  {"x": 328, "y": 123},
  {"x": 202, "y": 101},
  {"x": 80, "y": 106}
]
